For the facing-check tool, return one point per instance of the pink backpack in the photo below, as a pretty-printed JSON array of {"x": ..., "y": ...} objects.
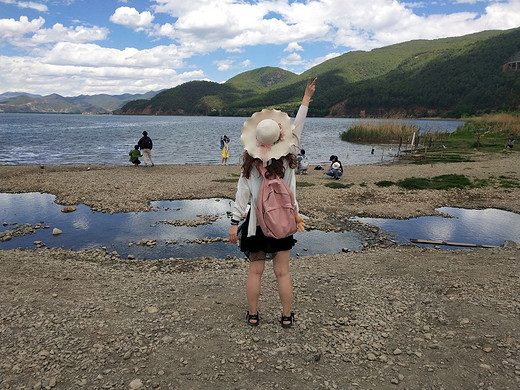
[{"x": 275, "y": 206}]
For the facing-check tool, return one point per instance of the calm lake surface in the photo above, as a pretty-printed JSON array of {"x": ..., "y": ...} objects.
[
  {"x": 84, "y": 229},
  {"x": 54, "y": 139}
]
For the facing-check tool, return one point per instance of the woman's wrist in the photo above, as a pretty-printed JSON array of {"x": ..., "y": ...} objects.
[{"x": 234, "y": 221}]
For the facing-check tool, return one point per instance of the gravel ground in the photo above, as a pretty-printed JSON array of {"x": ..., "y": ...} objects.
[{"x": 396, "y": 317}]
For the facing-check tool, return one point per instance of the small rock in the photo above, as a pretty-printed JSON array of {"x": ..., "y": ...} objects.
[
  {"x": 56, "y": 232},
  {"x": 68, "y": 209},
  {"x": 152, "y": 309},
  {"x": 136, "y": 384}
]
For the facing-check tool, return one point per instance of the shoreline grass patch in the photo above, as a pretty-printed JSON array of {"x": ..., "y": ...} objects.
[
  {"x": 336, "y": 185},
  {"x": 442, "y": 182}
]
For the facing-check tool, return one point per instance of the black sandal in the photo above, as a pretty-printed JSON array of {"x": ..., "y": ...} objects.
[
  {"x": 289, "y": 319},
  {"x": 253, "y": 317}
]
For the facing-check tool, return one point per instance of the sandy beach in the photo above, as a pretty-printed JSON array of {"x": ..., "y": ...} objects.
[{"x": 387, "y": 317}]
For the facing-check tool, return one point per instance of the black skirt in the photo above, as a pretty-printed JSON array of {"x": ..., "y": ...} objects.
[{"x": 260, "y": 242}]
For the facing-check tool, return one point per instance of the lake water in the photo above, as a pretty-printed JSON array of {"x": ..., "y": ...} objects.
[
  {"x": 120, "y": 232},
  {"x": 53, "y": 139},
  {"x": 480, "y": 227},
  {"x": 84, "y": 229}
]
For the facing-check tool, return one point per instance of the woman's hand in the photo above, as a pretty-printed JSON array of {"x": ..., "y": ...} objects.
[
  {"x": 309, "y": 91},
  {"x": 300, "y": 224},
  {"x": 233, "y": 230}
]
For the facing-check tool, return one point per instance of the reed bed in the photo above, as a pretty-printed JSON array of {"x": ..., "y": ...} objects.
[
  {"x": 498, "y": 123},
  {"x": 380, "y": 132}
]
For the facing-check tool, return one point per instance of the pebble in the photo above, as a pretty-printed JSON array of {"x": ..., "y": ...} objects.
[{"x": 136, "y": 384}]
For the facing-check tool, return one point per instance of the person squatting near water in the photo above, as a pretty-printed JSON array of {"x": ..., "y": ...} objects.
[
  {"x": 336, "y": 169},
  {"x": 270, "y": 139},
  {"x": 134, "y": 156}
]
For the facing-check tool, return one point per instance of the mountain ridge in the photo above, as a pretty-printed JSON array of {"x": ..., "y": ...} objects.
[{"x": 452, "y": 76}]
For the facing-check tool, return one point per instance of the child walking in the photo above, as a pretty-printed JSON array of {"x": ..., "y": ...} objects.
[{"x": 271, "y": 139}]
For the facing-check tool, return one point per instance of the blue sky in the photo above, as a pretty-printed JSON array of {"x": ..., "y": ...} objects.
[{"x": 74, "y": 47}]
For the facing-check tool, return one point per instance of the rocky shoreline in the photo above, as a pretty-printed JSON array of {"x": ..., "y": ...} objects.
[{"x": 399, "y": 317}]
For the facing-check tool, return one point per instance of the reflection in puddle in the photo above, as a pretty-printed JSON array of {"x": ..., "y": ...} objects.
[
  {"x": 171, "y": 230},
  {"x": 481, "y": 227},
  {"x": 176, "y": 228}
]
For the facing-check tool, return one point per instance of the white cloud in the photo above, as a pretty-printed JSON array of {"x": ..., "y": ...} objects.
[
  {"x": 66, "y": 57},
  {"x": 292, "y": 60},
  {"x": 130, "y": 17},
  {"x": 293, "y": 46},
  {"x": 59, "y": 33},
  {"x": 45, "y": 77},
  {"x": 15, "y": 30},
  {"x": 27, "y": 4},
  {"x": 224, "y": 65}
]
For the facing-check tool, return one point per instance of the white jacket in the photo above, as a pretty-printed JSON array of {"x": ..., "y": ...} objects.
[{"x": 247, "y": 189}]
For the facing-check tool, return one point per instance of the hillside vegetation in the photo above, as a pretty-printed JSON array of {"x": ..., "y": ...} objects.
[{"x": 450, "y": 77}]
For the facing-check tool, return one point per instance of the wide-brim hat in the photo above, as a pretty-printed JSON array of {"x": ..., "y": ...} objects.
[{"x": 268, "y": 134}]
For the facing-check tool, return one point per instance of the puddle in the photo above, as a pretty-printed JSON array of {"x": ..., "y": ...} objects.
[
  {"x": 166, "y": 227},
  {"x": 480, "y": 227}
]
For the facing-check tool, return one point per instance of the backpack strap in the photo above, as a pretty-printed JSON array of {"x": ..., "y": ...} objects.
[{"x": 260, "y": 168}]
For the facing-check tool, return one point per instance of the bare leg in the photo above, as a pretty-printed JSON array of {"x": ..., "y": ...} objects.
[
  {"x": 254, "y": 278},
  {"x": 283, "y": 276}
]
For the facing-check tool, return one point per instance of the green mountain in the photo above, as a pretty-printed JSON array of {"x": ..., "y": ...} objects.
[
  {"x": 442, "y": 77},
  {"x": 92, "y": 104}
]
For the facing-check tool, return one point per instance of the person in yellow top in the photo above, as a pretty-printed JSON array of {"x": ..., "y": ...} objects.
[{"x": 224, "y": 145}]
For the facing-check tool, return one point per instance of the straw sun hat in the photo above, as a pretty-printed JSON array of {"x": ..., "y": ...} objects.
[{"x": 268, "y": 134}]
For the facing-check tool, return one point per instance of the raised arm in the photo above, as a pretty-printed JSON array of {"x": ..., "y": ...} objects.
[
  {"x": 309, "y": 91},
  {"x": 302, "y": 111}
]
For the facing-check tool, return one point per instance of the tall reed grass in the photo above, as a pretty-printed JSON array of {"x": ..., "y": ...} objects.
[
  {"x": 380, "y": 132},
  {"x": 503, "y": 123}
]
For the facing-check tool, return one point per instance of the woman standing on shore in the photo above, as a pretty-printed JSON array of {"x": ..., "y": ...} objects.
[{"x": 271, "y": 138}]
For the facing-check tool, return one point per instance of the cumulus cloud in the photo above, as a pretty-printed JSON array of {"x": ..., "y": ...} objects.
[
  {"x": 354, "y": 24},
  {"x": 223, "y": 65},
  {"x": 25, "y": 33},
  {"x": 188, "y": 31},
  {"x": 292, "y": 59},
  {"x": 293, "y": 46},
  {"x": 130, "y": 17},
  {"x": 14, "y": 31},
  {"x": 27, "y": 4},
  {"x": 45, "y": 75}
]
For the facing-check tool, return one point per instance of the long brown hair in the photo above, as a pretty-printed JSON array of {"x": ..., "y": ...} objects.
[{"x": 276, "y": 167}]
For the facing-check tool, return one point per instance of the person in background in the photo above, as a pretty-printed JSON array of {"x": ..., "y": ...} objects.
[
  {"x": 270, "y": 138},
  {"x": 336, "y": 169},
  {"x": 146, "y": 145},
  {"x": 224, "y": 145},
  {"x": 134, "y": 156},
  {"x": 510, "y": 143},
  {"x": 303, "y": 163}
]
